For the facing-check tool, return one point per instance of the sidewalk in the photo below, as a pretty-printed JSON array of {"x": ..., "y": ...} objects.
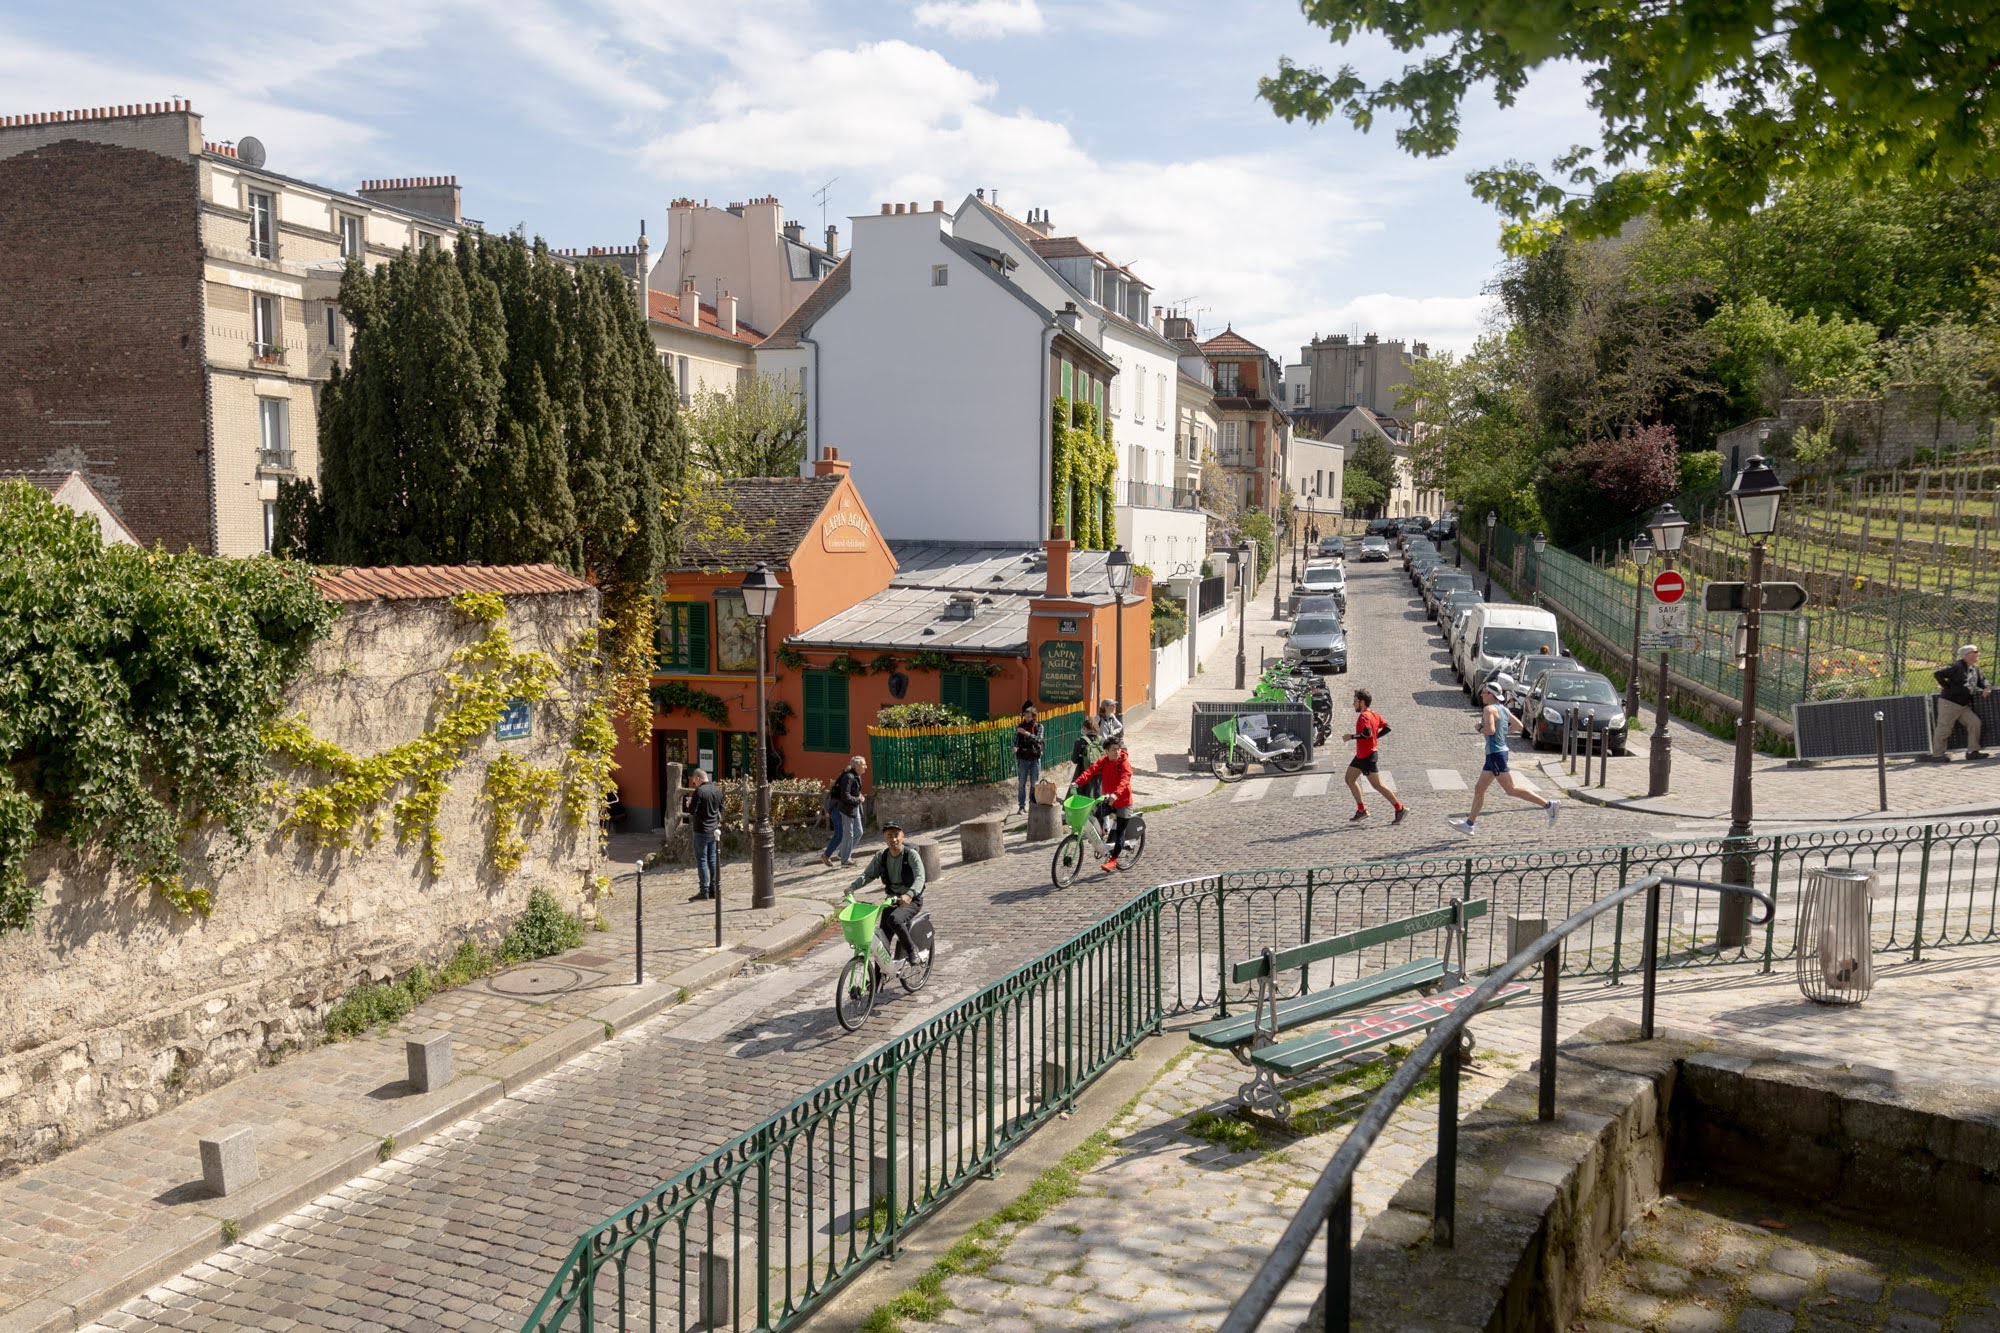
[
  {"x": 1784, "y": 791},
  {"x": 128, "y": 1209}
]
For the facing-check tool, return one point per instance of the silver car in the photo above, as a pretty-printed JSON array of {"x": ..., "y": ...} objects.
[
  {"x": 1374, "y": 548},
  {"x": 1318, "y": 641},
  {"x": 1452, "y": 610}
]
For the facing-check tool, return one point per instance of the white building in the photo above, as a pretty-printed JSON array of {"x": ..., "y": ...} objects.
[
  {"x": 1313, "y": 471},
  {"x": 1298, "y": 387},
  {"x": 923, "y": 354}
]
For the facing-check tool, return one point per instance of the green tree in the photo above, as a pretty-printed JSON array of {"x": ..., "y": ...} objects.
[
  {"x": 1706, "y": 106},
  {"x": 1361, "y": 493},
  {"x": 1765, "y": 355},
  {"x": 1375, "y": 460},
  {"x": 758, "y": 431},
  {"x": 1949, "y": 367}
]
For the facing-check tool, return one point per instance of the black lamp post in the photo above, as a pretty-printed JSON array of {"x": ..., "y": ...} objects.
[
  {"x": 1118, "y": 568},
  {"x": 1641, "y": 552},
  {"x": 1540, "y": 542},
  {"x": 1755, "y": 497},
  {"x": 760, "y": 599},
  {"x": 1486, "y": 549},
  {"x": 1242, "y": 611},
  {"x": 1669, "y": 530}
]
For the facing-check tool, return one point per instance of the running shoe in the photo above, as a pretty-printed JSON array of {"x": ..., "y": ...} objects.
[
  {"x": 1401, "y": 810},
  {"x": 1462, "y": 825},
  {"x": 1554, "y": 808},
  {"x": 1359, "y": 813}
]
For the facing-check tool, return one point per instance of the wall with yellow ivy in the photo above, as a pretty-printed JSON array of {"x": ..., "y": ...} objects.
[
  {"x": 398, "y": 826},
  {"x": 1084, "y": 469}
]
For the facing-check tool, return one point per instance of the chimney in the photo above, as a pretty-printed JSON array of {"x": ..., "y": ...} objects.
[
  {"x": 725, "y": 313},
  {"x": 833, "y": 240},
  {"x": 435, "y": 195},
  {"x": 690, "y": 304},
  {"x": 980, "y": 192},
  {"x": 830, "y": 463},
  {"x": 795, "y": 232},
  {"x": 1038, "y": 218},
  {"x": 1069, "y": 315},
  {"x": 1370, "y": 340},
  {"x": 1058, "y": 548},
  {"x": 937, "y": 205}
]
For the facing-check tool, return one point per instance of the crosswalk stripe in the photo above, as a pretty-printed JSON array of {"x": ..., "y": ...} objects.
[
  {"x": 1250, "y": 791},
  {"x": 1312, "y": 784},
  {"x": 1445, "y": 779}
]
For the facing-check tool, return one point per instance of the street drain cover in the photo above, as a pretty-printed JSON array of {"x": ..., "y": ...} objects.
[{"x": 537, "y": 979}]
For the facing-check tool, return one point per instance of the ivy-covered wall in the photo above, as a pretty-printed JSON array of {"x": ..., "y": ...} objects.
[
  {"x": 114, "y": 1004},
  {"x": 1084, "y": 471}
]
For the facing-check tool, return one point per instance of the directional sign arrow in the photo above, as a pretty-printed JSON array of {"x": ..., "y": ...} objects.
[{"x": 1733, "y": 597}]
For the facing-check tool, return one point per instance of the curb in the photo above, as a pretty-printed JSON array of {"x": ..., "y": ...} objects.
[
  {"x": 1552, "y": 771},
  {"x": 117, "y": 1279}
]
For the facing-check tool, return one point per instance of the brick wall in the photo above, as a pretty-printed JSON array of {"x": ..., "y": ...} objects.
[{"x": 101, "y": 331}]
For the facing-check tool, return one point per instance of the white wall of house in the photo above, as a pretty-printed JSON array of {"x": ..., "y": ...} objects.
[{"x": 1313, "y": 468}]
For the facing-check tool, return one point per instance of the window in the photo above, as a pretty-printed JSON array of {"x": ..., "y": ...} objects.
[
  {"x": 1068, "y": 383},
  {"x": 735, "y": 634},
  {"x": 940, "y": 275},
  {"x": 1225, "y": 379},
  {"x": 1097, "y": 400},
  {"x": 265, "y": 342},
  {"x": 426, "y": 241},
  {"x": 332, "y": 325},
  {"x": 270, "y": 524},
  {"x": 681, "y": 641},
  {"x": 263, "y": 226},
  {"x": 1229, "y": 439},
  {"x": 826, "y": 711},
  {"x": 1139, "y": 396},
  {"x": 1160, "y": 402},
  {"x": 274, "y": 432},
  {"x": 967, "y": 693},
  {"x": 350, "y": 235},
  {"x": 681, "y": 379},
  {"x": 1117, "y": 392}
]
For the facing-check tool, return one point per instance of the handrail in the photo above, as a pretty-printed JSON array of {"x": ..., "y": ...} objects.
[{"x": 1330, "y": 1201}]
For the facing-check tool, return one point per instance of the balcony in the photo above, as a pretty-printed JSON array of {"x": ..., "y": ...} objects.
[
  {"x": 1155, "y": 495},
  {"x": 267, "y": 354},
  {"x": 274, "y": 460}
]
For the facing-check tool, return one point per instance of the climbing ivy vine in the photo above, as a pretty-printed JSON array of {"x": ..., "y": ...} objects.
[{"x": 1085, "y": 465}]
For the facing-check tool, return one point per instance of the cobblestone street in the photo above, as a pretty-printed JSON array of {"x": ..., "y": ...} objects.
[{"x": 464, "y": 1229}]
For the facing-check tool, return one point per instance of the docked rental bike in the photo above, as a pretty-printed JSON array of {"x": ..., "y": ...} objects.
[
  {"x": 867, "y": 973},
  {"x": 1086, "y": 839},
  {"x": 1249, "y": 739}
]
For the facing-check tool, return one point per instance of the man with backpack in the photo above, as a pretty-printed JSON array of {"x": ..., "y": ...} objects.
[
  {"x": 901, "y": 871},
  {"x": 1960, "y": 688},
  {"x": 1028, "y": 743}
]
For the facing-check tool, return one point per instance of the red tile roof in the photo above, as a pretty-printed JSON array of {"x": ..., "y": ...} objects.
[
  {"x": 1231, "y": 343},
  {"x": 665, "y": 308},
  {"x": 411, "y": 582}
]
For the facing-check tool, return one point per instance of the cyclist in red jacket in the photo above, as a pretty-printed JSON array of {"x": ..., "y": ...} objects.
[{"x": 1114, "y": 771}]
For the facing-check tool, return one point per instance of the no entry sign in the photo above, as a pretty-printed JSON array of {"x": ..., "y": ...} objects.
[{"x": 1668, "y": 586}]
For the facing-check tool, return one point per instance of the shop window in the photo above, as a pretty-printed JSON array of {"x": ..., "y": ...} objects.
[
  {"x": 968, "y": 694},
  {"x": 681, "y": 641},
  {"x": 826, "y": 711}
]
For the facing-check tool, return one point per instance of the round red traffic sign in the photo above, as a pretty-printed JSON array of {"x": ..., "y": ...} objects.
[{"x": 1668, "y": 586}]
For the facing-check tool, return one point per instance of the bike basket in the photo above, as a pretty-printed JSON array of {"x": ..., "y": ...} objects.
[
  {"x": 857, "y": 922},
  {"x": 1225, "y": 731},
  {"x": 1076, "y": 810}
]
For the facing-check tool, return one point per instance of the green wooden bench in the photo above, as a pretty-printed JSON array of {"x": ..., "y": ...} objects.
[{"x": 1253, "y": 1036}]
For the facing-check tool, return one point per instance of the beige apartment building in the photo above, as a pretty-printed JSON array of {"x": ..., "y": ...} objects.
[
  {"x": 747, "y": 251},
  {"x": 173, "y": 312}
]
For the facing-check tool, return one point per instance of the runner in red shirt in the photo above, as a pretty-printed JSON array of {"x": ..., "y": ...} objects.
[{"x": 1369, "y": 728}]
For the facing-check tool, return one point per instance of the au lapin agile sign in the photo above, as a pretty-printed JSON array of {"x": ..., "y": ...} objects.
[{"x": 1062, "y": 672}]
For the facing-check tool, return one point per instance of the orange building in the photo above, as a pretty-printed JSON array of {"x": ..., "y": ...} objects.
[{"x": 863, "y": 623}]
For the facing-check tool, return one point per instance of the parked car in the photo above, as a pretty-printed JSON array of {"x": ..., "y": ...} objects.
[
  {"x": 1527, "y": 669},
  {"x": 1385, "y": 528},
  {"x": 1425, "y": 562},
  {"x": 1317, "y": 606},
  {"x": 1443, "y": 585},
  {"x": 1591, "y": 694},
  {"x": 1415, "y": 547},
  {"x": 1333, "y": 548},
  {"x": 1501, "y": 630},
  {"x": 1462, "y": 599},
  {"x": 1322, "y": 579},
  {"x": 1319, "y": 642},
  {"x": 1374, "y": 547},
  {"x": 1445, "y": 528}
]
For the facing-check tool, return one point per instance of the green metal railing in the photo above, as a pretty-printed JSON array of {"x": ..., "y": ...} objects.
[
  {"x": 981, "y": 752},
  {"x": 762, "y": 1230}
]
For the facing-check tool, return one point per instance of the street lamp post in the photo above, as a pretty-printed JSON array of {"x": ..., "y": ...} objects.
[
  {"x": 1118, "y": 567},
  {"x": 1242, "y": 608},
  {"x": 1755, "y": 497},
  {"x": 760, "y": 599},
  {"x": 1669, "y": 530},
  {"x": 1540, "y": 542},
  {"x": 1642, "y": 555},
  {"x": 1486, "y": 549}
]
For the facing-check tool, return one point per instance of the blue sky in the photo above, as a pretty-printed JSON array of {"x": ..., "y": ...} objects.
[{"x": 1135, "y": 122}]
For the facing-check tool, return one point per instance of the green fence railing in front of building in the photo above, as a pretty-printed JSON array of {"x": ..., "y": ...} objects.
[{"x": 965, "y": 756}]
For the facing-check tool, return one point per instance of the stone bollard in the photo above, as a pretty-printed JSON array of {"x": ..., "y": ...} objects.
[
  {"x": 927, "y": 850},
  {"x": 1054, "y": 1081},
  {"x": 979, "y": 839},
  {"x": 714, "y": 1294},
  {"x": 229, "y": 1161},
  {"x": 1042, "y": 823},
  {"x": 429, "y": 1060}
]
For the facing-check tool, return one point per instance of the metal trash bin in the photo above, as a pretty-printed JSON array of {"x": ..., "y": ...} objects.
[{"x": 1836, "y": 960}]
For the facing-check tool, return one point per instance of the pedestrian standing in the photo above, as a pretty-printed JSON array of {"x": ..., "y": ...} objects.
[
  {"x": 704, "y": 812},
  {"x": 1369, "y": 728},
  {"x": 1110, "y": 727},
  {"x": 1494, "y": 722},
  {"x": 846, "y": 812},
  {"x": 1028, "y": 743},
  {"x": 1960, "y": 688},
  {"x": 1089, "y": 745}
]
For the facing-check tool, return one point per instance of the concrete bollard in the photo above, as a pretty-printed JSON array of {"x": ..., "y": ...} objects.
[
  {"x": 927, "y": 851},
  {"x": 1042, "y": 823},
  {"x": 979, "y": 839},
  {"x": 716, "y": 1299},
  {"x": 429, "y": 1060},
  {"x": 1054, "y": 1081},
  {"x": 229, "y": 1161}
]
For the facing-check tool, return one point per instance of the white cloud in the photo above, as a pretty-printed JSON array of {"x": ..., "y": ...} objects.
[{"x": 971, "y": 19}]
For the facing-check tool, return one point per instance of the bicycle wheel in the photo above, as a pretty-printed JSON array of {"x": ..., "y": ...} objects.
[
  {"x": 854, "y": 997},
  {"x": 1135, "y": 846},
  {"x": 1229, "y": 770},
  {"x": 1068, "y": 861},
  {"x": 916, "y": 974},
  {"x": 1289, "y": 762}
]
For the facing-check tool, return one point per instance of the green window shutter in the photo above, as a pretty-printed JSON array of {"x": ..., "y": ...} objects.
[
  {"x": 694, "y": 643},
  {"x": 1066, "y": 382},
  {"x": 826, "y": 711},
  {"x": 968, "y": 694}
]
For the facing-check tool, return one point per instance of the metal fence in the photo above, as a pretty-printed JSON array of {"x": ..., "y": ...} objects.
[
  {"x": 761, "y": 1231},
  {"x": 1211, "y": 596},
  {"x": 964, "y": 756}
]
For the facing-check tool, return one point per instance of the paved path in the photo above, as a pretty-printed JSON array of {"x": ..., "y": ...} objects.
[{"x": 464, "y": 1229}]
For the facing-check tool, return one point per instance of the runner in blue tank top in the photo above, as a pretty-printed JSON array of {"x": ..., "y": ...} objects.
[{"x": 1494, "y": 722}]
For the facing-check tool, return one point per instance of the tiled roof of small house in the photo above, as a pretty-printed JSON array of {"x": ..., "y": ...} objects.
[
  {"x": 768, "y": 517},
  {"x": 410, "y": 582},
  {"x": 1231, "y": 343}
]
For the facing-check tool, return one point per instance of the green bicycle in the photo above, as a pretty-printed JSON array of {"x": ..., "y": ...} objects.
[
  {"x": 1086, "y": 838},
  {"x": 867, "y": 972}
]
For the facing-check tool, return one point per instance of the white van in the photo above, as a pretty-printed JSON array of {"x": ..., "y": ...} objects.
[{"x": 1496, "y": 632}]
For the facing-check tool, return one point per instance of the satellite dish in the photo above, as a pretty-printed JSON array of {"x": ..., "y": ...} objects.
[{"x": 250, "y": 151}]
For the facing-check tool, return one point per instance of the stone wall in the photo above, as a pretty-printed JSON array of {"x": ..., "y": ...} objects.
[
  {"x": 113, "y": 1006},
  {"x": 942, "y": 807},
  {"x": 1883, "y": 432}
]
